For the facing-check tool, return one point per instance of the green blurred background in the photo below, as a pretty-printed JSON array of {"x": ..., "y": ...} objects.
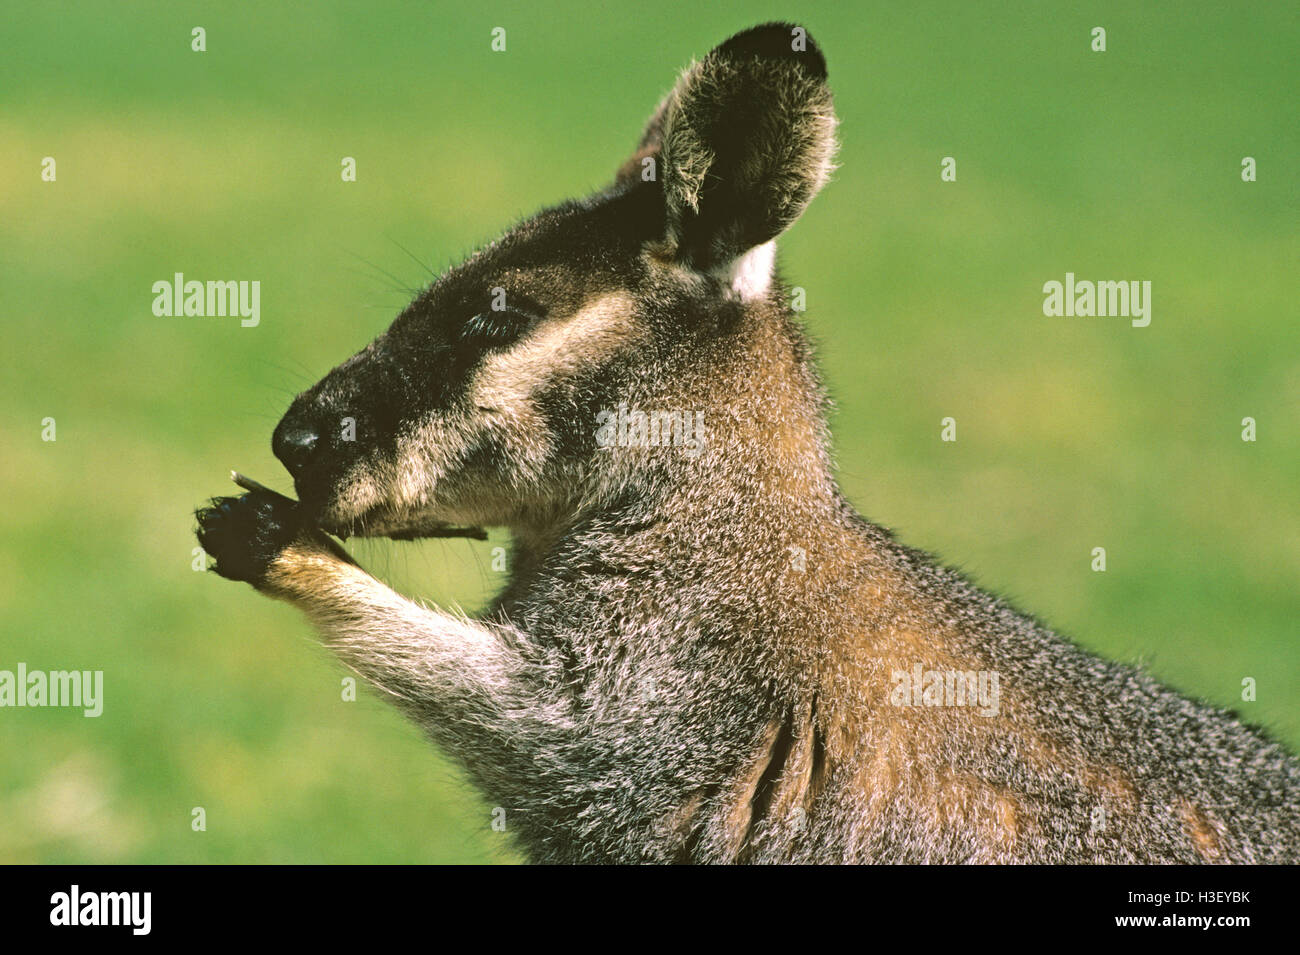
[{"x": 925, "y": 298}]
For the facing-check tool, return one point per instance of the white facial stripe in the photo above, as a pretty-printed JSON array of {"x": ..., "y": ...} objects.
[
  {"x": 554, "y": 351},
  {"x": 505, "y": 384}
]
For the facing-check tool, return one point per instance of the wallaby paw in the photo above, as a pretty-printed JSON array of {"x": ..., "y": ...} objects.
[{"x": 245, "y": 534}]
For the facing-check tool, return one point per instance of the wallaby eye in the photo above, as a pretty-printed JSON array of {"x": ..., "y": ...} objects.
[{"x": 501, "y": 326}]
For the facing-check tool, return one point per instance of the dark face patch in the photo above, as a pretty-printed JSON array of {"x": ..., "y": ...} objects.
[{"x": 423, "y": 365}]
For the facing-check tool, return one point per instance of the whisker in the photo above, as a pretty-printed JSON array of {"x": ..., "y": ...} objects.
[{"x": 414, "y": 258}]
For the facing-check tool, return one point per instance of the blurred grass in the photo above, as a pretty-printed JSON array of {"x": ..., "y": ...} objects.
[{"x": 1072, "y": 433}]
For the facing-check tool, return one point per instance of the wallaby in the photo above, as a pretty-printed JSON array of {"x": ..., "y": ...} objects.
[{"x": 703, "y": 653}]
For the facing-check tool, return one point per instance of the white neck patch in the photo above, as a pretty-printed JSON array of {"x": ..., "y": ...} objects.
[{"x": 750, "y": 276}]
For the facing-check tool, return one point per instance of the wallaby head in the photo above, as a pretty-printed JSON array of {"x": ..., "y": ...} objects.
[{"x": 482, "y": 403}]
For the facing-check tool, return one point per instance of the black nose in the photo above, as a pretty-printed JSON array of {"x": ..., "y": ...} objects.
[{"x": 294, "y": 445}]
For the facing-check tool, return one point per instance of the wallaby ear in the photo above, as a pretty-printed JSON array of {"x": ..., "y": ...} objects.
[{"x": 743, "y": 142}]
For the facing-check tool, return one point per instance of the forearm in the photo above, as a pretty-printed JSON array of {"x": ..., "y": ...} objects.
[{"x": 427, "y": 659}]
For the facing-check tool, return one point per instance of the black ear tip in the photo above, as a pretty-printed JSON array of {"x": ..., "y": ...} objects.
[{"x": 777, "y": 41}]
